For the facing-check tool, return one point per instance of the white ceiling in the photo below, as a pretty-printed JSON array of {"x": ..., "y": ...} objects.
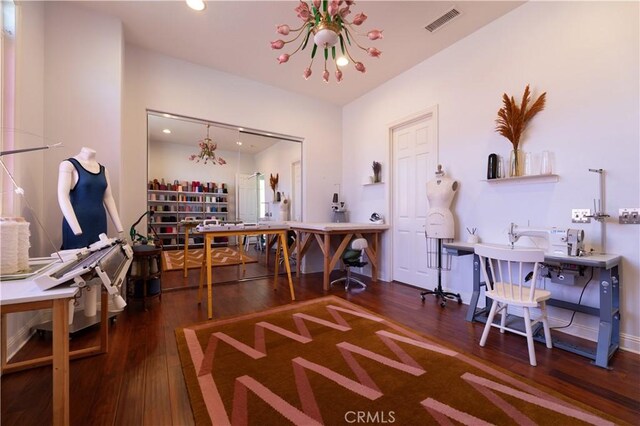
[{"x": 234, "y": 37}]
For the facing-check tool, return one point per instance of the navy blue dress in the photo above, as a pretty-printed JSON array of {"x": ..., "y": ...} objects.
[{"x": 87, "y": 202}]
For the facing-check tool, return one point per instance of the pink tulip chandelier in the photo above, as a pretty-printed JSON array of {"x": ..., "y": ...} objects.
[{"x": 327, "y": 22}]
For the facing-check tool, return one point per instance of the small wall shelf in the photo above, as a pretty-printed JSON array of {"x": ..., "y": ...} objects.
[
  {"x": 526, "y": 179},
  {"x": 372, "y": 183}
]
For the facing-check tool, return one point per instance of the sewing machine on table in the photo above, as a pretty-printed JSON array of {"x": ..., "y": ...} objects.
[
  {"x": 564, "y": 242},
  {"x": 566, "y": 249}
]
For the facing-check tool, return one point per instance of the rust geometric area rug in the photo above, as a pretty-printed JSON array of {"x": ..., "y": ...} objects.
[
  {"x": 220, "y": 256},
  {"x": 328, "y": 361}
]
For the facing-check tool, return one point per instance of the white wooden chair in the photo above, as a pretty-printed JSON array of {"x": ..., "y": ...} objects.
[{"x": 504, "y": 274}]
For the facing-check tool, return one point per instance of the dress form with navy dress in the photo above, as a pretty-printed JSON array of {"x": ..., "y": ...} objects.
[{"x": 87, "y": 201}]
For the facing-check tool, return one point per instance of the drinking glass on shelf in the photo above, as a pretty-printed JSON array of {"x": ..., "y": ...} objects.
[
  {"x": 528, "y": 164},
  {"x": 545, "y": 163},
  {"x": 500, "y": 168}
]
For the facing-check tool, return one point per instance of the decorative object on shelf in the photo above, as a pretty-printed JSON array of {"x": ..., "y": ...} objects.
[
  {"x": 492, "y": 166},
  {"x": 376, "y": 218},
  {"x": 500, "y": 170},
  {"x": 207, "y": 151},
  {"x": 377, "y": 169},
  {"x": 284, "y": 208},
  {"x": 473, "y": 237},
  {"x": 512, "y": 121},
  {"x": 273, "y": 183},
  {"x": 327, "y": 22},
  {"x": 545, "y": 163}
]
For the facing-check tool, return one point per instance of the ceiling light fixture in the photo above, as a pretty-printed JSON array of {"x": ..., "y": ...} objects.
[
  {"x": 207, "y": 151},
  {"x": 342, "y": 61},
  {"x": 327, "y": 22},
  {"x": 196, "y": 4},
  {"x": 167, "y": 131}
]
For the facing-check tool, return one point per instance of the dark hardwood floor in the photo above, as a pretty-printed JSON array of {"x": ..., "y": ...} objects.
[{"x": 139, "y": 381}]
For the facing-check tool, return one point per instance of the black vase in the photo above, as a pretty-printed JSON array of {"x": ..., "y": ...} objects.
[{"x": 492, "y": 166}]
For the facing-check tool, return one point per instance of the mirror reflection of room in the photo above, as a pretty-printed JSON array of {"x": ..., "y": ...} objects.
[{"x": 204, "y": 172}]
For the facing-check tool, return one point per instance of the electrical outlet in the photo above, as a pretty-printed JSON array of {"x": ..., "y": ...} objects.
[
  {"x": 629, "y": 216},
  {"x": 580, "y": 215}
]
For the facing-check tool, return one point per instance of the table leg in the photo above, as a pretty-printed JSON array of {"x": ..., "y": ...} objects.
[
  {"x": 3, "y": 340},
  {"x": 185, "y": 272},
  {"x": 298, "y": 250},
  {"x": 277, "y": 259},
  {"x": 327, "y": 259},
  {"x": 241, "y": 251},
  {"x": 283, "y": 239},
  {"x": 608, "y": 329},
  {"x": 104, "y": 321},
  {"x": 475, "y": 296},
  {"x": 203, "y": 266},
  {"x": 60, "y": 362},
  {"x": 207, "y": 241}
]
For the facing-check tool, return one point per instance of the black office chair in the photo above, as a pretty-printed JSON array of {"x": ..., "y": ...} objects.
[{"x": 353, "y": 257}]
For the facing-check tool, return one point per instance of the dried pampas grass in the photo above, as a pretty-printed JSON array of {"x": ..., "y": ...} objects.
[{"x": 513, "y": 119}]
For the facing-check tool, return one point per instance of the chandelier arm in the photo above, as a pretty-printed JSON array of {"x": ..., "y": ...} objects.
[
  {"x": 346, "y": 50},
  {"x": 353, "y": 28},
  {"x": 356, "y": 41},
  {"x": 300, "y": 32},
  {"x": 299, "y": 47}
]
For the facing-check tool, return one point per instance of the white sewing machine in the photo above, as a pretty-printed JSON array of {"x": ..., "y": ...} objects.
[{"x": 566, "y": 242}]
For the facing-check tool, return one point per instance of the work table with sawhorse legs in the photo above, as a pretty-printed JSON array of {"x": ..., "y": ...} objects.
[
  {"x": 322, "y": 233},
  {"x": 609, "y": 300},
  {"x": 236, "y": 231}
]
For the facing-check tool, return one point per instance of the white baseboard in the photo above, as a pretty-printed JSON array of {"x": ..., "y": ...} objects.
[{"x": 22, "y": 336}]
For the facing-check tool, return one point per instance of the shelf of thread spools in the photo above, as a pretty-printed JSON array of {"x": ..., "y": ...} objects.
[{"x": 172, "y": 203}]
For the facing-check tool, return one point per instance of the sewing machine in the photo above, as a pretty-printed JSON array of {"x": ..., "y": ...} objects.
[{"x": 567, "y": 242}]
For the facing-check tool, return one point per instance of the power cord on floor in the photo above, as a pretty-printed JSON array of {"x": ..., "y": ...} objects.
[{"x": 579, "y": 301}]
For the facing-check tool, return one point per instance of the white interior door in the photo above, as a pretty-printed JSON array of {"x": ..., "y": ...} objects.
[
  {"x": 247, "y": 198},
  {"x": 414, "y": 154}
]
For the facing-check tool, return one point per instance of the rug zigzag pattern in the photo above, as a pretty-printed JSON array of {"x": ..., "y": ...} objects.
[
  {"x": 398, "y": 341},
  {"x": 259, "y": 349},
  {"x": 220, "y": 256}
]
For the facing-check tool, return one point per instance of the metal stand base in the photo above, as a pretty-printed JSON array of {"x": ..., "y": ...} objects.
[
  {"x": 348, "y": 280},
  {"x": 438, "y": 292}
]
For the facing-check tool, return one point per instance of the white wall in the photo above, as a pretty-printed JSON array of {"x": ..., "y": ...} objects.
[
  {"x": 82, "y": 96},
  {"x": 585, "y": 56},
  {"x": 161, "y": 83}
]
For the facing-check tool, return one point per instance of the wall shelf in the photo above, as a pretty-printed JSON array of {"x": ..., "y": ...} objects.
[
  {"x": 526, "y": 179},
  {"x": 372, "y": 183}
]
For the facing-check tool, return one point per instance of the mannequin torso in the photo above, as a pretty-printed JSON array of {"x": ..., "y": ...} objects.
[
  {"x": 440, "y": 193},
  {"x": 83, "y": 194}
]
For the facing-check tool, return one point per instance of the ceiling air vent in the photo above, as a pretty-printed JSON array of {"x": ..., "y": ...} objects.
[{"x": 448, "y": 16}]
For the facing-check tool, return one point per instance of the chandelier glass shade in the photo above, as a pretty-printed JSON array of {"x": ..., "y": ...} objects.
[{"x": 326, "y": 23}]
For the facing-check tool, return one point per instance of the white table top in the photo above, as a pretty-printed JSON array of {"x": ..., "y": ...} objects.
[
  {"x": 604, "y": 260},
  {"x": 341, "y": 226},
  {"x": 23, "y": 291},
  {"x": 263, "y": 226}
]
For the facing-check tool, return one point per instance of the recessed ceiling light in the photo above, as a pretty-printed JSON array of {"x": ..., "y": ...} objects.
[
  {"x": 239, "y": 143},
  {"x": 196, "y": 4},
  {"x": 167, "y": 115},
  {"x": 342, "y": 61},
  {"x": 167, "y": 131},
  {"x": 241, "y": 128}
]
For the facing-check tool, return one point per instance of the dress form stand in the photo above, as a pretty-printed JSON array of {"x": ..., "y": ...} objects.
[{"x": 440, "y": 228}]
